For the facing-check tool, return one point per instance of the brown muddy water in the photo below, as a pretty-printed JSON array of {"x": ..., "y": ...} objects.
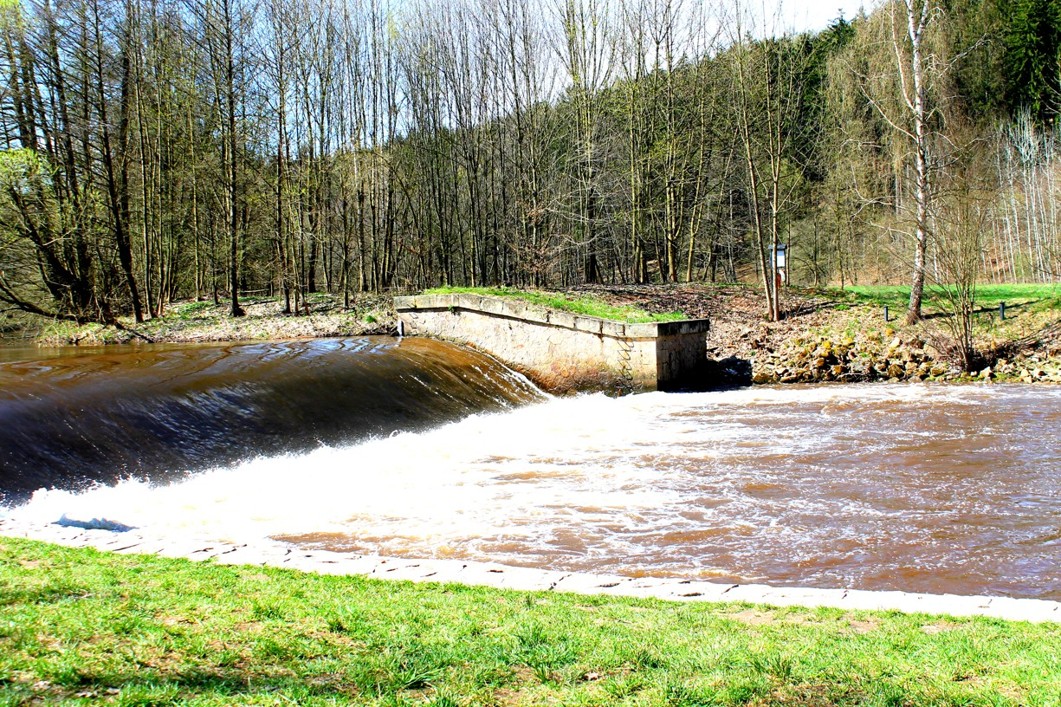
[{"x": 925, "y": 488}]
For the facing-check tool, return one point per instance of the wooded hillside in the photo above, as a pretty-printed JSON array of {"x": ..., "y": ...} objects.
[{"x": 164, "y": 149}]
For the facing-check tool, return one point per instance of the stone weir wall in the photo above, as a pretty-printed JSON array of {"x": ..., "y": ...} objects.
[{"x": 562, "y": 351}]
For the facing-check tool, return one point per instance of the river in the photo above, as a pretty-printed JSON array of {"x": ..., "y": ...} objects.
[{"x": 419, "y": 449}]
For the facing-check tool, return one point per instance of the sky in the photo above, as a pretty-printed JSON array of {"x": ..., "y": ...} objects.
[{"x": 817, "y": 14}]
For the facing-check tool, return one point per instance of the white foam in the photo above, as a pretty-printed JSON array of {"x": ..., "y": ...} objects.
[{"x": 596, "y": 483}]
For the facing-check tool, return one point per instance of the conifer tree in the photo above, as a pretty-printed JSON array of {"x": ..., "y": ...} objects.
[{"x": 1032, "y": 60}]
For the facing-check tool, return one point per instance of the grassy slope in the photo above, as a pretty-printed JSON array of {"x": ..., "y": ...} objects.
[
  {"x": 579, "y": 304},
  {"x": 79, "y": 626}
]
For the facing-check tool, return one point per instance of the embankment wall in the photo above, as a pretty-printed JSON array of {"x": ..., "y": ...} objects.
[{"x": 562, "y": 351}]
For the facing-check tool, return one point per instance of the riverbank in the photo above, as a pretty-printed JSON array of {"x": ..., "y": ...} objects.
[
  {"x": 843, "y": 335},
  {"x": 111, "y": 536},
  {"x": 825, "y": 336},
  {"x": 195, "y": 322},
  {"x": 81, "y": 626}
]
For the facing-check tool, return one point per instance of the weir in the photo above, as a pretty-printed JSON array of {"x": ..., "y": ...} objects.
[
  {"x": 160, "y": 411},
  {"x": 562, "y": 351}
]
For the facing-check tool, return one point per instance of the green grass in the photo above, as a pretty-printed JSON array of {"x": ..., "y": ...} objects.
[
  {"x": 1048, "y": 295},
  {"x": 586, "y": 305},
  {"x": 193, "y": 310},
  {"x": 82, "y": 627}
]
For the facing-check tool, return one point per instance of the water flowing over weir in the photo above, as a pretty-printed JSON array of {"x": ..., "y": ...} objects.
[
  {"x": 920, "y": 488},
  {"x": 75, "y": 419}
]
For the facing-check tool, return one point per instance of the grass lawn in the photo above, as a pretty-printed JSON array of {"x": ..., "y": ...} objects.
[
  {"x": 79, "y": 626},
  {"x": 1047, "y": 295},
  {"x": 589, "y": 306}
]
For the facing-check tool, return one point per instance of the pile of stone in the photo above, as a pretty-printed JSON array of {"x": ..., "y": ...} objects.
[
  {"x": 1036, "y": 368},
  {"x": 887, "y": 357},
  {"x": 849, "y": 359}
]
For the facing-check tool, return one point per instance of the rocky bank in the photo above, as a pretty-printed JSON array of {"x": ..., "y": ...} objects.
[{"x": 824, "y": 338}]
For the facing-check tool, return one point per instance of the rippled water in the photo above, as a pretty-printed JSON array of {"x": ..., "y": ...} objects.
[{"x": 914, "y": 487}]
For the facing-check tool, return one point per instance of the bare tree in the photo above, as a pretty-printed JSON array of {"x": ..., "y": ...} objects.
[
  {"x": 767, "y": 85},
  {"x": 587, "y": 51},
  {"x": 963, "y": 210}
]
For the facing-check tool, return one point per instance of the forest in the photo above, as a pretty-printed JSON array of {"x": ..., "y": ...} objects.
[{"x": 157, "y": 150}]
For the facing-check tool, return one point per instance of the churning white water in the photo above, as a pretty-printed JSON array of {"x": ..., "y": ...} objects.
[{"x": 917, "y": 487}]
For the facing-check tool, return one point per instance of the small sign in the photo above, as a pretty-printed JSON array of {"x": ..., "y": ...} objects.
[{"x": 780, "y": 257}]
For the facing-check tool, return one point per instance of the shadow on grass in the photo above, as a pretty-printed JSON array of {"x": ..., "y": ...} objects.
[
  {"x": 170, "y": 687},
  {"x": 984, "y": 309},
  {"x": 51, "y": 594}
]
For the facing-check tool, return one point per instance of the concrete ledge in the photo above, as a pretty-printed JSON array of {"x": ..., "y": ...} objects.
[
  {"x": 276, "y": 554},
  {"x": 563, "y": 351},
  {"x": 525, "y": 311}
]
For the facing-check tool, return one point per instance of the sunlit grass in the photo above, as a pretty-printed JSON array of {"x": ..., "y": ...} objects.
[
  {"x": 82, "y": 627},
  {"x": 580, "y": 304},
  {"x": 988, "y": 295}
]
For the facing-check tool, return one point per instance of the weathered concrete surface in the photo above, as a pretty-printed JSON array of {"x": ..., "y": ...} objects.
[
  {"x": 276, "y": 554},
  {"x": 563, "y": 351}
]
